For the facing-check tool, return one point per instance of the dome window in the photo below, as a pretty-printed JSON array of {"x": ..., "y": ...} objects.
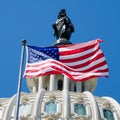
[
  {"x": 25, "y": 110},
  {"x": 80, "y": 109},
  {"x": 60, "y": 84},
  {"x": 108, "y": 114},
  {"x": 51, "y": 107}
]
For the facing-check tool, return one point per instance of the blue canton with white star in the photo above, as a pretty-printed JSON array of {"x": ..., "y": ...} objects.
[{"x": 36, "y": 54}]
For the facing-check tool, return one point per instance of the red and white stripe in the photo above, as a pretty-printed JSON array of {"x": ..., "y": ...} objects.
[{"x": 79, "y": 62}]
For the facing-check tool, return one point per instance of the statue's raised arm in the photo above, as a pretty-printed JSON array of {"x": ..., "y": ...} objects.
[{"x": 63, "y": 28}]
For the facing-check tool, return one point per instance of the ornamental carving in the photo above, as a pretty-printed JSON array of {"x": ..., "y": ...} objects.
[
  {"x": 24, "y": 100},
  {"x": 107, "y": 105},
  {"x": 82, "y": 117},
  {"x": 80, "y": 99},
  {"x": 52, "y": 97},
  {"x": 50, "y": 118}
]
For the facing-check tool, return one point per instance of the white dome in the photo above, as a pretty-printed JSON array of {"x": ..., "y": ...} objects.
[{"x": 60, "y": 105}]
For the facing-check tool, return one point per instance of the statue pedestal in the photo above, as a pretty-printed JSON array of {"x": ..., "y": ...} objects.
[{"x": 62, "y": 41}]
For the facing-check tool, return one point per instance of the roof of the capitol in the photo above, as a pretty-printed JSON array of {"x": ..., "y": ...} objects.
[{"x": 38, "y": 100}]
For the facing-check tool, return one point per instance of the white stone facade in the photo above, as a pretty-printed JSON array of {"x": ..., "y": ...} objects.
[{"x": 58, "y": 98}]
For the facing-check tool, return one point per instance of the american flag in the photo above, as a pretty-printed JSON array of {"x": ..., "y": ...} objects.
[{"x": 79, "y": 62}]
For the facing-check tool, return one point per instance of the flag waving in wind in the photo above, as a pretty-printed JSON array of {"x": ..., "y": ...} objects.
[{"x": 79, "y": 62}]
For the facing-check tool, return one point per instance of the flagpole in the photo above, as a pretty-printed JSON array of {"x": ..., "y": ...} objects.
[{"x": 20, "y": 80}]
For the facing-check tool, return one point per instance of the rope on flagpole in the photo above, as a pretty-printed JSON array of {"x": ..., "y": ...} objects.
[{"x": 20, "y": 80}]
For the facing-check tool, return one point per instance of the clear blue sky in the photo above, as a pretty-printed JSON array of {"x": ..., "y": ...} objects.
[{"x": 32, "y": 20}]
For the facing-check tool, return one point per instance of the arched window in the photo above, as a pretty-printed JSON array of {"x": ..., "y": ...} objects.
[
  {"x": 74, "y": 88},
  {"x": 51, "y": 107},
  {"x": 25, "y": 109},
  {"x": 60, "y": 84},
  {"x": 80, "y": 109},
  {"x": 108, "y": 114}
]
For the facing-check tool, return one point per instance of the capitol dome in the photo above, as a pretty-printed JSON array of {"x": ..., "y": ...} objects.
[{"x": 56, "y": 97}]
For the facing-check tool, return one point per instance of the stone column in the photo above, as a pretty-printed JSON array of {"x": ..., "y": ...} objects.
[
  {"x": 52, "y": 83},
  {"x": 66, "y": 83},
  {"x": 72, "y": 85},
  {"x": 66, "y": 98},
  {"x": 78, "y": 86},
  {"x": 40, "y": 83},
  {"x": 34, "y": 84},
  {"x": 34, "y": 89}
]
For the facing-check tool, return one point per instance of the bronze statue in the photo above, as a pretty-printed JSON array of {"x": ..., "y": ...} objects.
[{"x": 63, "y": 28}]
